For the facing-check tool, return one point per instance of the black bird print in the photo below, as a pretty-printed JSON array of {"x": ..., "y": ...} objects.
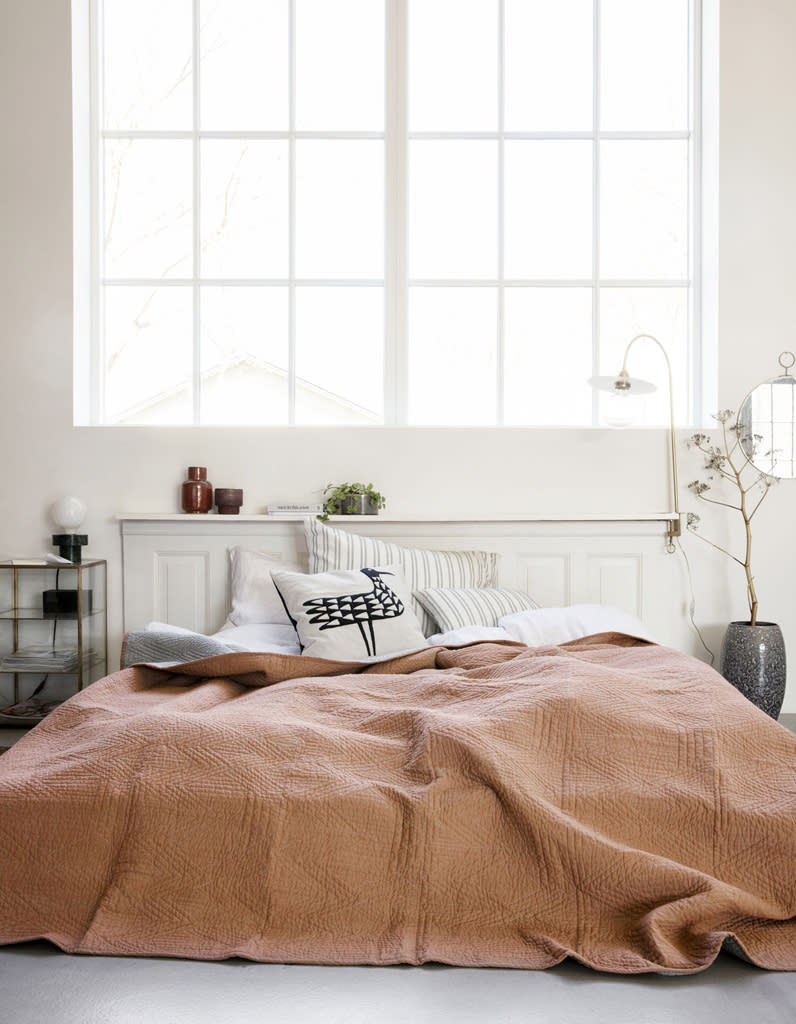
[{"x": 358, "y": 609}]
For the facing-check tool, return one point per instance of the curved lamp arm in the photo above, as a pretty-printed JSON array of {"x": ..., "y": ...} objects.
[{"x": 623, "y": 384}]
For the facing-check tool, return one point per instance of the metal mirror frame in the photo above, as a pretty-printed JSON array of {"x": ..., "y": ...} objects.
[{"x": 757, "y": 438}]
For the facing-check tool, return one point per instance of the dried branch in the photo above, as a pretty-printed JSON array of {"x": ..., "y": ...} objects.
[
  {"x": 723, "y": 462},
  {"x": 718, "y": 547}
]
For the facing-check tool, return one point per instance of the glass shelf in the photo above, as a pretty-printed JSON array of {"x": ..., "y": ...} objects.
[
  {"x": 21, "y": 614},
  {"x": 59, "y": 647},
  {"x": 21, "y": 671},
  {"x": 21, "y": 721},
  {"x": 53, "y": 566}
]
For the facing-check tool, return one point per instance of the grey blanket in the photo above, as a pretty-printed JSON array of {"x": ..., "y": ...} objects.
[{"x": 164, "y": 648}]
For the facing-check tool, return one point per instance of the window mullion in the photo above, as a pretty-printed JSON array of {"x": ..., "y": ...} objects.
[
  {"x": 291, "y": 287},
  {"x": 396, "y": 157},
  {"x": 97, "y": 187},
  {"x": 696, "y": 352},
  {"x": 501, "y": 293},
  {"x": 595, "y": 291},
  {"x": 196, "y": 298}
]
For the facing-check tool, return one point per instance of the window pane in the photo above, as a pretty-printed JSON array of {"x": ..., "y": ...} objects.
[
  {"x": 644, "y": 210},
  {"x": 244, "y": 70},
  {"x": 339, "y": 355},
  {"x": 453, "y": 209},
  {"x": 549, "y": 62},
  {"x": 244, "y": 357},
  {"x": 339, "y": 65},
  {"x": 339, "y": 209},
  {"x": 147, "y": 208},
  {"x": 147, "y": 64},
  {"x": 452, "y": 356},
  {"x": 146, "y": 217},
  {"x": 148, "y": 328},
  {"x": 453, "y": 75},
  {"x": 663, "y": 313},
  {"x": 548, "y": 209},
  {"x": 244, "y": 208},
  {"x": 548, "y": 331},
  {"x": 644, "y": 65}
]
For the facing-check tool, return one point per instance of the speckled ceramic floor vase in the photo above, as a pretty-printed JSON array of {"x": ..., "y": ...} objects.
[{"x": 753, "y": 660}]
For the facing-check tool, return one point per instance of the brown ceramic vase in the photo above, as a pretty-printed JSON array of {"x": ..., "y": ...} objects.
[
  {"x": 197, "y": 491},
  {"x": 229, "y": 500}
]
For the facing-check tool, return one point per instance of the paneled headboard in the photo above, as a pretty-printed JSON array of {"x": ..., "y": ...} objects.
[{"x": 176, "y": 567}]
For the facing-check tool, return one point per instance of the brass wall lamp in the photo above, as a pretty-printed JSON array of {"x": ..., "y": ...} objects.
[{"x": 624, "y": 384}]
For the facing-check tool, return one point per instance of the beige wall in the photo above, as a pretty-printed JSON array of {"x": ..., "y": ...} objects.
[{"x": 438, "y": 471}]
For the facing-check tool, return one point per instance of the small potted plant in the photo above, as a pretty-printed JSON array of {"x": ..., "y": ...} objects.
[{"x": 351, "y": 500}]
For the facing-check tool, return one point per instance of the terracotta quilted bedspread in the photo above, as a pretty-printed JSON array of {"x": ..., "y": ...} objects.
[{"x": 488, "y": 805}]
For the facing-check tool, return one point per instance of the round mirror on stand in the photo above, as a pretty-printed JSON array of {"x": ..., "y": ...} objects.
[{"x": 767, "y": 422}]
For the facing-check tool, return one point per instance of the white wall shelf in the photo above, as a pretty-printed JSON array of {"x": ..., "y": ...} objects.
[{"x": 520, "y": 517}]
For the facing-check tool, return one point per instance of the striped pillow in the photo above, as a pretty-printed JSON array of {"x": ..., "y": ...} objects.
[
  {"x": 453, "y": 609},
  {"x": 329, "y": 549}
]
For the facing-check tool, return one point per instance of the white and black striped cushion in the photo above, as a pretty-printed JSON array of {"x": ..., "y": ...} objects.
[
  {"x": 330, "y": 549},
  {"x": 471, "y": 606}
]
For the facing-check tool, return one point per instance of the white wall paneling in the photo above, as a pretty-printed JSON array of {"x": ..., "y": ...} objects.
[
  {"x": 617, "y": 579},
  {"x": 547, "y": 576},
  {"x": 176, "y": 567},
  {"x": 180, "y": 586}
]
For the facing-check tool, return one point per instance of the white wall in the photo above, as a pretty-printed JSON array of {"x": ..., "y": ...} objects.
[{"x": 438, "y": 471}]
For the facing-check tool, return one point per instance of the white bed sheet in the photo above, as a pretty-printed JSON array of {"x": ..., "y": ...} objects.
[
  {"x": 539, "y": 626},
  {"x": 535, "y": 627}
]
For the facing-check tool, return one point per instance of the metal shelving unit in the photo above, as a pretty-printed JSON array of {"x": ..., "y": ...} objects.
[{"x": 53, "y": 635}]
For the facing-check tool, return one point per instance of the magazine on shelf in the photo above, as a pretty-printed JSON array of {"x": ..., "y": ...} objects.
[
  {"x": 43, "y": 658},
  {"x": 32, "y": 560},
  {"x": 296, "y": 509}
]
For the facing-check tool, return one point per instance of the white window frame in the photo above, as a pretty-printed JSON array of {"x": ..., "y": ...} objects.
[{"x": 89, "y": 134}]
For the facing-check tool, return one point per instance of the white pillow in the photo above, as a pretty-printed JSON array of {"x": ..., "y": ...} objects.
[
  {"x": 260, "y": 636},
  {"x": 468, "y": 635},
  {"x": 558, "y": 625},
  {"x": 471, "y": 606},
  {"x": 351, "y": 615},
  {"x": 330, "y": 549},
  {"x": 252, "y": 592},
  {"x": 166, "y": 627}
]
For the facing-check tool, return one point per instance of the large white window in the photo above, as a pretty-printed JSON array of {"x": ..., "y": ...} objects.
[{"x": 404, "y": 212}]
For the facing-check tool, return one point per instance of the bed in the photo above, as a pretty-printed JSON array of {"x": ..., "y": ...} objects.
[{"x": 483, "y": 802}]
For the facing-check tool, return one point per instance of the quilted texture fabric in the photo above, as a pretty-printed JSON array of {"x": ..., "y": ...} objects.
[
  {"x": 329, "y": 549},
  {"x": 489, "y": 805}
]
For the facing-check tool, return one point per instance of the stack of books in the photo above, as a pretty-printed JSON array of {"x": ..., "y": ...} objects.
[
  {"x": 290, "y": 511},
  {"x": 41, "y": 658}
]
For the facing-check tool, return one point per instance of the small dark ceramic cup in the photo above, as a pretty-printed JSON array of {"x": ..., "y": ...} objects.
[{"x": 228, "y": 500}]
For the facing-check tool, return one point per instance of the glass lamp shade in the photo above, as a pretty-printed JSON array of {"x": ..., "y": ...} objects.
[
  {"x": 621, "y": 384},
  {"x": 68, "y": 513},
  {"x": 619, "y": 411}
]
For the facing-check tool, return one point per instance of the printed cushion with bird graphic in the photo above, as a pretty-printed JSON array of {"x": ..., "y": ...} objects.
[{"x": 350, "y": 614}]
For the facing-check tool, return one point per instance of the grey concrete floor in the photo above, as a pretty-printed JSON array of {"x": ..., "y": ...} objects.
[{"x": 40, "y": 985}]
